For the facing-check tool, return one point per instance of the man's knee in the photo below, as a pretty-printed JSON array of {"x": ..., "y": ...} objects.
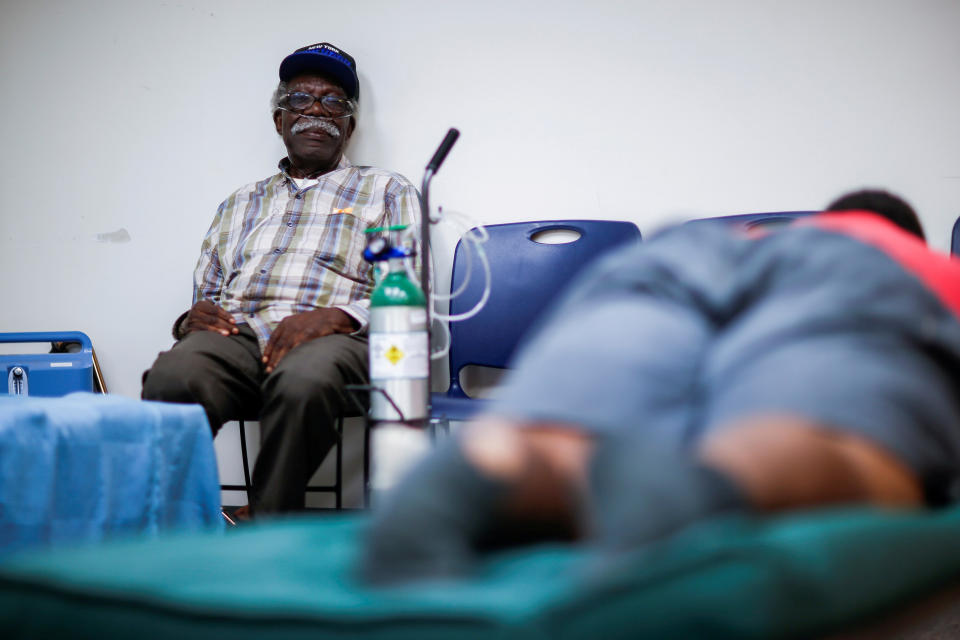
[
  {"x": 318, "y": 372},
  {"x": 169, "y": 378},
  {"x": 304, "y": 388},
  {"x": 196, "y": 370}
]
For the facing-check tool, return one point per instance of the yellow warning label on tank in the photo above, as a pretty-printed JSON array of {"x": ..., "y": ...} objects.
[{"x": 394, "y": 354}]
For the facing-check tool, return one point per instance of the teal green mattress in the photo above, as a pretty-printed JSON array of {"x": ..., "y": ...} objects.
[{"x": 795, "y": 576}]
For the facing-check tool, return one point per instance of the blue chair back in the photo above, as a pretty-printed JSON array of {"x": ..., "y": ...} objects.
[
  {"x": 955, "y": 240},
  {"x": 526, "y": 275},
  {"x": 755, "y": 220}
]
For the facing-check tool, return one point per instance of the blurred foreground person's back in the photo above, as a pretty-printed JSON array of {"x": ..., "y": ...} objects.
[{"x": 707, "y": 370}]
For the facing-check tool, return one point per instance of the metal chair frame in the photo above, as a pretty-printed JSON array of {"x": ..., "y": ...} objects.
[{"x": 336, "y": 488}]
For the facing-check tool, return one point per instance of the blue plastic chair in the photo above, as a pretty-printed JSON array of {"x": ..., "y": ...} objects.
[
  {"x": 955, "y": 241},
  {"x": 526, "y": 276},
  {"x": 754, "y": 220}
]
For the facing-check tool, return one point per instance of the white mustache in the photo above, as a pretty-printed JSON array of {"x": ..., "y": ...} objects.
[{"x": 306, "y": 123}]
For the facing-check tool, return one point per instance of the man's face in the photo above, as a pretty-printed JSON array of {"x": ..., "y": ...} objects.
[{"x": 314, "y": 145}]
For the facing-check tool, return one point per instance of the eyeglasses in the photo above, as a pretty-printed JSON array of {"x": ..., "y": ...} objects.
[{"x": 330, "y": 106}]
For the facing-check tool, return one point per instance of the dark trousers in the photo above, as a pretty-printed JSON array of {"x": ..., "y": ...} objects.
[{"x": 297, "y": 404}]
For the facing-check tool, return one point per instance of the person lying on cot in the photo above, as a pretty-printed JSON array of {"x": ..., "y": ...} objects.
[{"x": 708, "y": 370}]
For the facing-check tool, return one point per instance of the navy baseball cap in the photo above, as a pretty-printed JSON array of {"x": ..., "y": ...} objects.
[{"x": 326, "y": 59}]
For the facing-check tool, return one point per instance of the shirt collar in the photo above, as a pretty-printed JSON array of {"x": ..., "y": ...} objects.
[{"x": 284, "y": 166}]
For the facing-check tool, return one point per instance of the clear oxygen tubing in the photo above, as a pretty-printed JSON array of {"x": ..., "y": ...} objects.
[
  {"x": 445, "y": 330},
  {"x": 474, "y": 235},
  {"x": 410, "y": 235}
]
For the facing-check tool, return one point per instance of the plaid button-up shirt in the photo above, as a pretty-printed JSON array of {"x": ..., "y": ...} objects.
[{"x": 274, "y": 250}]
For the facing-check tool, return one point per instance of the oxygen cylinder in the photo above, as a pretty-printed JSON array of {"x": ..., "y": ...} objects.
[
  {"x": 399, "y": 352},
  {"x": 399, "y": 365}
]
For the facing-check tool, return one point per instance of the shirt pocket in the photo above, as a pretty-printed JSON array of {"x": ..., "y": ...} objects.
[{"x": 336, "y": 244}]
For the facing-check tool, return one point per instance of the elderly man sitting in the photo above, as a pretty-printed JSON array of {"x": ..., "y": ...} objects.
[{"x": 282, "y": 290}]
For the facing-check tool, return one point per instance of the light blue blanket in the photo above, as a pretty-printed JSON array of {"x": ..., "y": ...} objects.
[{"x": 87, "y": 467}]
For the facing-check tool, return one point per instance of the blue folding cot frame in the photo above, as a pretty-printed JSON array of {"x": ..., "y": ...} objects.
[{"x": 53, "y": 374}]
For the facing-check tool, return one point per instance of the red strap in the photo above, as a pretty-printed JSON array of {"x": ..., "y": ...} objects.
[{"x": 941, "y": 273}]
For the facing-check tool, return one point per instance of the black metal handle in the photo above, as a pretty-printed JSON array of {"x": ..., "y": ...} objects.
[{"x": 441, "y": 154}]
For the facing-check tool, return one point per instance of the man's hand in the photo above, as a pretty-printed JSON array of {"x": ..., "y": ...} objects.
[
  {"x": 206, "y": 316},
  {"x": 301, "y": 327}
]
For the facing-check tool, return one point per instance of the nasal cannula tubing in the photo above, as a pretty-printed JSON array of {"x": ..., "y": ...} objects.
[{"x": 475, "y": 236}]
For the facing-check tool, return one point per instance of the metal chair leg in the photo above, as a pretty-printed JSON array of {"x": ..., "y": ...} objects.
[
  {"x": 338, "y": 485},
  {"x": 246, "y": 463},
  {"x": 336, "y": 488},
  {"x": 366, "y": 463}
]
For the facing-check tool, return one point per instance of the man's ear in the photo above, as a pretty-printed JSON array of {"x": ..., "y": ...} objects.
[
  {"x": 350, "y": 127},
  {"x": 277, "y": 120}
]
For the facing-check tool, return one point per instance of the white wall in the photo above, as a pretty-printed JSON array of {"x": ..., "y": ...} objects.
[{"x": 143, "y": 116}]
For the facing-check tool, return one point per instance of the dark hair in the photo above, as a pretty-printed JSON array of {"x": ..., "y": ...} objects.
[{"x": 883, "y": 203}]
